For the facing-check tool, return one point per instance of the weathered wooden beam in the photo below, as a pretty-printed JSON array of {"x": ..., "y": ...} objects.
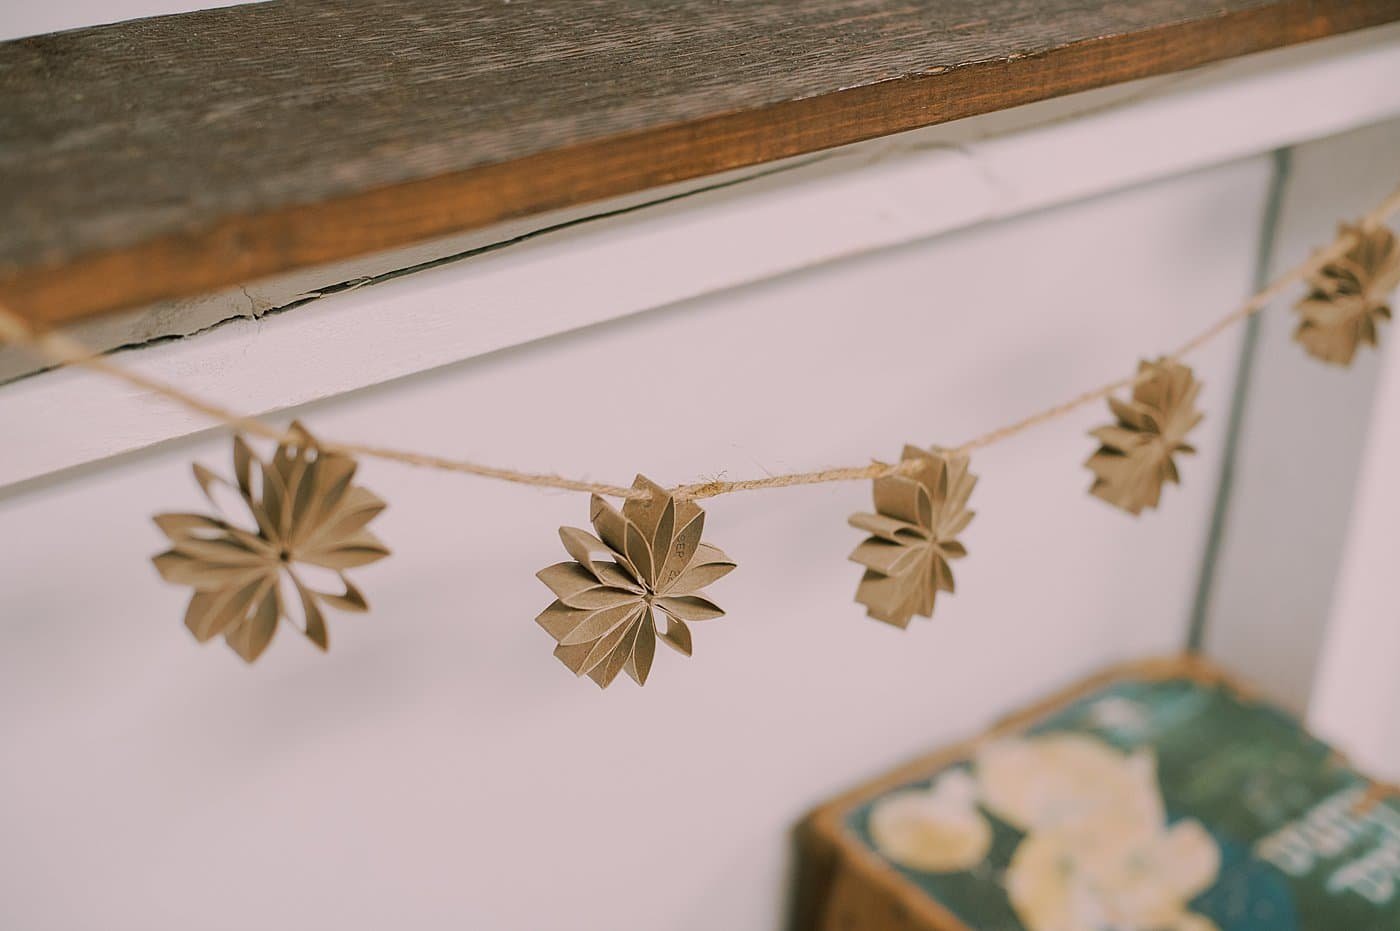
[{"x": 175, "y": 155}]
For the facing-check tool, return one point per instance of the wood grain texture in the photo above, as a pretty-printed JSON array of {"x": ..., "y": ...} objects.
[{"x": 170, "y": 156}]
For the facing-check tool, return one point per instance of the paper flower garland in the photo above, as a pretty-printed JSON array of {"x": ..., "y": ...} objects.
[
  {"x": 1135, "y": 458},
  {"x": 302, "y": 517},
  {"x": 302, "y": 514},
  {"x": 604, "y": 618},
  {"x": 913, "y": 535},
  {"x": 1348, "y": 297}
]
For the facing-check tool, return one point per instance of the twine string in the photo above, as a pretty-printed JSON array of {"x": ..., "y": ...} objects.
[{"x": 63, "y": 350}]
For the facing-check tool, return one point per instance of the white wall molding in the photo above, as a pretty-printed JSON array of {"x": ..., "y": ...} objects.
[{"x": 865, "y": 198}]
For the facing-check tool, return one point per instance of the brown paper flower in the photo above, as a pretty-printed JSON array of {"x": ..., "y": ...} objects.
[
  {"x": 307, "y": 520},
  {"x": 652, "y": 560},
  {"x": 912, "y": 535},
  {"x": 1136, "y": 456},
  {"x": 1348, "y": 297}
]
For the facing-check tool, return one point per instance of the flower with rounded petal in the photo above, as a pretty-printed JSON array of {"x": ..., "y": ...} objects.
[
  {"x": 1134, "y": 458},
  {"x": 913, "y": 535}
]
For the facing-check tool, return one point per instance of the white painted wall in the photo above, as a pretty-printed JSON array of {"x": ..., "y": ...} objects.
[{"x": 439, "y": 768}]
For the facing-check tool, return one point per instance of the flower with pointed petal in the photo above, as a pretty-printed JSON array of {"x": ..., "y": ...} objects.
[
  {"x": 646, "y": 559},
  {"x": 303, "y": 518},
  {"x": 1348, "y": 298},
  {"x": 1134, "y": 459},
  {"x": 913, "y": 535}
]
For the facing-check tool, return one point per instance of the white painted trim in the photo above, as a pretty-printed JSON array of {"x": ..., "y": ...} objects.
[{"x": 861, "y": 199}]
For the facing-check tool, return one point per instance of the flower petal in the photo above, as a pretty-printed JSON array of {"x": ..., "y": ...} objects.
[
  {"x": 610, "y": 524},
  {"x": 677, "y": 635},
  {"x": 952, "y": 549},
  {"x": 243, "y": 471},
  {"x": 957, "y": 524},
  {"x": 601, "y": 623},
  {"x": 559, "y": 620},
  {"x": 890, "y": 529},
  {"x": 573, "y": 656},
  {"x": 961, "y": 485},
  {"x": 178, "y": 526},
  {"x": 357, "y": 508},
  {"x": 891, "y": 598},
  {"x": 663, "y": 533},
  {"x": 689, "y": 607},
  {"x": 640, "y": 555},
  {"x": 646, "y": 514},
  {"x": 576, "y": 587},
  {"x": 273, "y": 515},
  {"x": 349, "y": 600},
  {"x": 582, "y": 658},
  {"x": 182, "y": 569},
  {"x": 302, "y": 484},
  {"x": 903, "y": 498},
  {"x": 927, "y": 593},
  {"x": 618, "y": 575},
  {"x": 333, "y": 497},
  {"x": 619, "y": 656},
  {"x": 211, "y": 612},
  {"x": 1120, "y": 439},
  {"x": 289, "y": 604},
  {"x": 250, "y": 638},
  {"x": 314, "y": 625},
  {"x": 320, "y": 579},
  {"x": 229, "y": 501},
  {"x": 643, "y": 650},
  {"x": 360, "y": 549},
  {"x": 942, "y": 578},
  {"x": 705, "y": 569},
  {"x": 222, "y": 551},
  {"x": 583, "y": 546},
  {"x": 681, "y": 551},
  {"x": 887, "y": 558}
]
